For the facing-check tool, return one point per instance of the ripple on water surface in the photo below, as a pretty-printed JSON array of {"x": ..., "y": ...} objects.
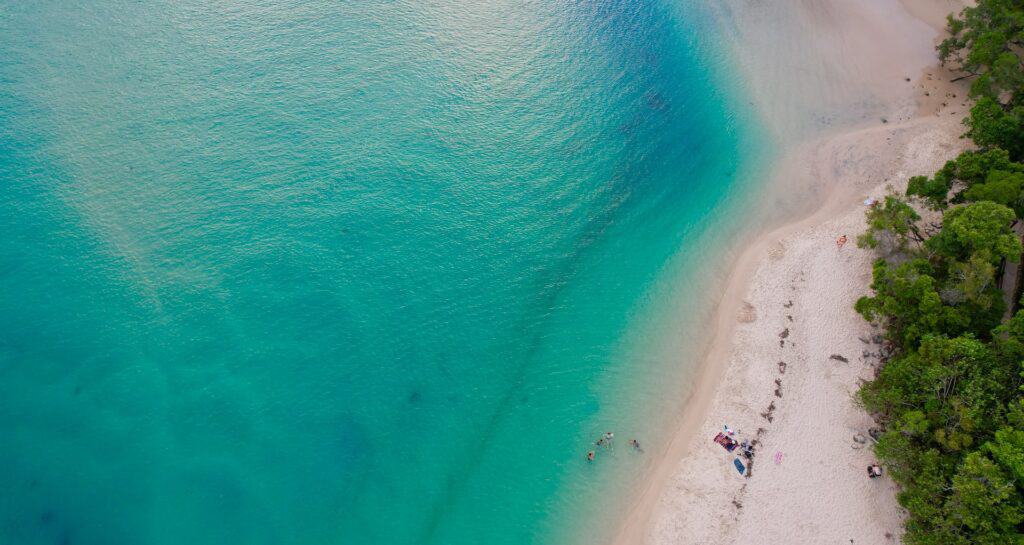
[{"x": 358, "y": 272}]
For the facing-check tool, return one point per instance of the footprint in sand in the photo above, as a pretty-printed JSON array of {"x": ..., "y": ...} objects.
[{"x": 747, "y": 313}]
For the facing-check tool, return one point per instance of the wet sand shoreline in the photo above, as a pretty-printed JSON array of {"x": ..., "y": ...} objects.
[{"x": 787, "y": 309}]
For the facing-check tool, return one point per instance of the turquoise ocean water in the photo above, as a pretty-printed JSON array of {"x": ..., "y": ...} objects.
[{"x": 349, "y": 272}]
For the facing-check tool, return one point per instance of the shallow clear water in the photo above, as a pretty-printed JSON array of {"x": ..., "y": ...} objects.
[{"x": 332, "y": 272}]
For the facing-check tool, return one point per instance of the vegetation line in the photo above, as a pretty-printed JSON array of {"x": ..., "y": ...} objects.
[{"x": 951, "y": 396}]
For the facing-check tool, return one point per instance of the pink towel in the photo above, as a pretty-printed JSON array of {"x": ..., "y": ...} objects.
[{"x": 778, "y": 458}]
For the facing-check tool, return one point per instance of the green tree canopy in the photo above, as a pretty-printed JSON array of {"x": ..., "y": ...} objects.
[
  {"x": 980, "y": 229},
  {"x": 985, "y": 41},
  {"x": 992, "y": 124},
  {"x": 985, "y": 502},
  {"x": 951, "y": 398},
  {"x": 977, "y": 175},
  {"x": 945, "y": 408},
  {"x": 1008, "y": 449},
  {"x": 907, "y": 301},
  {"x": 892, "y": 225}
]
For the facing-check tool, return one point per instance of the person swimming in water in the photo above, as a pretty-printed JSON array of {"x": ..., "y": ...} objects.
[{"x": 590, "y": 456}]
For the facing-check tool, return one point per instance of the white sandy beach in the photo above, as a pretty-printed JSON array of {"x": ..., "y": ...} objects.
[{"x": 862, "y": 107}]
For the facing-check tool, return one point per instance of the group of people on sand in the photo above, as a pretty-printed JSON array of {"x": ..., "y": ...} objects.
[
  {"x": 727, "y": 439},
  {"x": 605, "y": 441}
]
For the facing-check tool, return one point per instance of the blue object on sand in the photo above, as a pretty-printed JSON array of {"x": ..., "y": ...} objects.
[{"x": 739, "y": 466}]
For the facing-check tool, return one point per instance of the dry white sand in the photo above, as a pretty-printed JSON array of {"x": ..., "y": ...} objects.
[
  {"x": 788, "y": 308},
  {"x": 782, "y": 386}
]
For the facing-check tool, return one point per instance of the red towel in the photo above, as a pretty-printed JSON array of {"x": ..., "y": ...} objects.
[{"x": 724, "y": 440}]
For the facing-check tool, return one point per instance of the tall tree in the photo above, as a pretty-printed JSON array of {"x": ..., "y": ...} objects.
[
  {"x": 892, "y": 228},
  {"x": 973, "y": 176},
  {"x": 986, "y": 42},
  {"x": 980, "y": 229}
]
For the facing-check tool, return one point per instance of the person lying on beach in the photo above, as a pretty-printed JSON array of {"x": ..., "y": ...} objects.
[
  {"x": 841, "y": 241},
  {"x": 874, "y": 471}
]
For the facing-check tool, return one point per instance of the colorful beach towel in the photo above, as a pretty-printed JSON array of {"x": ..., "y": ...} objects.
[
  {"x": 739, "y": 466},
  {"x": 726, "y": 442}
]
